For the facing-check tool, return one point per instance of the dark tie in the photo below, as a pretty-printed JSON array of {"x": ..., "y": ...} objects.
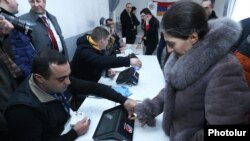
[
  {"x": 12, "y": 67},
  {"x": 51, "y": 34}
]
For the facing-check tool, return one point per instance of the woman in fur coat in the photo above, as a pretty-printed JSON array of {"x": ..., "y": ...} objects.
[{"x": 204, "y": 82}]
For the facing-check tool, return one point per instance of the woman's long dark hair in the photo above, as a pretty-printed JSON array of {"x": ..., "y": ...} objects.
[{"x": 184, "y": 18}]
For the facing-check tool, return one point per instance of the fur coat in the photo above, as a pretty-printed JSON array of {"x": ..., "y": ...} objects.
[{"x": 204, "y": 86}]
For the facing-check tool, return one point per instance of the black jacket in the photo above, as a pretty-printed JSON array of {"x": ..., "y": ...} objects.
[
  {"x": 89, "y": 63},
  {"x": 245, "y": 23},
  {"x": 151, "y": 36},
  {"x": 127, "y": 24},
  {"x": 212, "y": 16},
  {"x": 7, "y": 82},
  {"x": 29, "y": 119}
]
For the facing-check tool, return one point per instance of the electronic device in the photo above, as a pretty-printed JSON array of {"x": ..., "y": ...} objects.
[
  {"x": 114, "y": 125},
  {"x": 128, "y": 76}
]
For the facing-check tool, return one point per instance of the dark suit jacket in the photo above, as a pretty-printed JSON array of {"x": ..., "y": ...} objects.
[
  {"x": 39, "y": 35},
  {"x": 128, "y": 29},
  {"x": 245, "y": 24}
]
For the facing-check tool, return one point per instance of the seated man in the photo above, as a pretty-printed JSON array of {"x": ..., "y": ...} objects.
[
  {"x": 115, "y": 45},
  {"x": 39, "y": 108},
  {"x": 90, "y": 61}
]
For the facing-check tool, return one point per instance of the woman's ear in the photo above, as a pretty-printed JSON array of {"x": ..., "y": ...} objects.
[{"x": 193, "y": 37}]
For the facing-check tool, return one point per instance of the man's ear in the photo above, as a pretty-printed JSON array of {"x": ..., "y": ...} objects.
[
  {"x": 100, "y": 42},
  {"x": 39, "y": 78},
  {"x": 193, "y": 37}
]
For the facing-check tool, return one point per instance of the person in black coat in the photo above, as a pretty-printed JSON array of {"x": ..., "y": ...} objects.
[
  {"x": 39, "y": 108},
  {"x": 208, "y": 5},
  {"x": 128, "y": 26},
  {"x": 134, "y": 18},
  {"x": 150, "y": 27},
  {"x": 90, "y": 61},
  {"x": 241, "y": 50},
  {"x": 245, "y": 23}
]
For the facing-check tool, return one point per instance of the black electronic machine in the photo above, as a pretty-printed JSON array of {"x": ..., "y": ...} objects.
[
  {"x": 114, "y": 125},
  {"x": 128, "y": 76}
]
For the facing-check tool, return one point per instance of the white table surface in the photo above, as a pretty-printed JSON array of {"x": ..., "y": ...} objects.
[
  {"x": 132, "y": 48},
  {"x": 151, "y": 81}
]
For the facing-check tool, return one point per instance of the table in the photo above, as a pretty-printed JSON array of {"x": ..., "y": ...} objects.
[
  {"x": 151, "y": 81},
  {"x": 132, "y": 48},
  {"x": 135, "y": 49}
]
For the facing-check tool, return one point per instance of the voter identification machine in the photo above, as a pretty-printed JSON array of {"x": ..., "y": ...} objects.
[
  {"x": 129, "y": 76},
  {"x": 114, "y": 125}
]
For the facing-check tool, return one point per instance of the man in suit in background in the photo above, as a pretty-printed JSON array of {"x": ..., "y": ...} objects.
[
  {"x": 208, "y": 5},
  {"x": 128, "y": 27},
  {"x": 46, "y": 32}
]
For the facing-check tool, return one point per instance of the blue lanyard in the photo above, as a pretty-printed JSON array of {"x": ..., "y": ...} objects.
[{"x": 63, "y": 99}]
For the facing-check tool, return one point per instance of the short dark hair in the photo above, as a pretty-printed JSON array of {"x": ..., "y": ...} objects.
[
  {"x": 44, "y": 58},
  {"x": 212, "y": 2},
  {"x": 102, "y": 20},
  {"x": 128, "y": 4},
  {"x": 99, "y": 33},
  {"x": 184, "y": 18},
  {"x": 133, "y": 8},
  {"x": 107, "y": 20},
  {"x": 146, "y": 11}
]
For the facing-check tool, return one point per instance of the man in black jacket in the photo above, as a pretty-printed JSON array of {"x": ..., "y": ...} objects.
[
  {"x": 90, "y": 61},
  {"x": 128, "y": 25},
  {"x": 208, "y": 5},
  {"x": 150, "y": 28},
  {"x": 39, "y": 107}
]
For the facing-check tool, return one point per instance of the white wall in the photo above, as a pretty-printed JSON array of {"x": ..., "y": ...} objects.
[
  {"x": 74, "y": 16},
  {"x": 241, "y": 10},
  {"x": 219, "y": 7}
]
